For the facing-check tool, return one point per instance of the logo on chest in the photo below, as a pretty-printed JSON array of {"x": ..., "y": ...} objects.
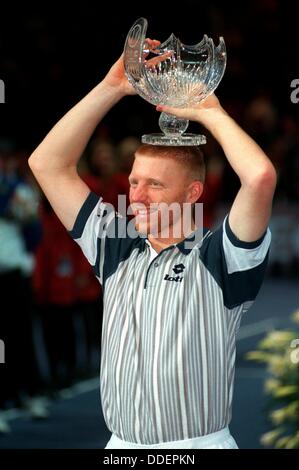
[{"x": 178, "y": 269}]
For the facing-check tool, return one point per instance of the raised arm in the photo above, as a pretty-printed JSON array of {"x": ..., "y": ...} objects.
[
  {"x": 54, "y": 162},
  {"x": 251, "y": 209}
]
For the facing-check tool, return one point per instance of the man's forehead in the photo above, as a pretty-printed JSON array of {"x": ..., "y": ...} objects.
[
  {"x": 149, "y": 156},
  {"x": 154, "y": 162},
  {"x": 156, "y": 172}
]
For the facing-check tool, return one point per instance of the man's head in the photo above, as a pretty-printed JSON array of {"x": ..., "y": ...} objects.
[{"x": 162, "y": 174}]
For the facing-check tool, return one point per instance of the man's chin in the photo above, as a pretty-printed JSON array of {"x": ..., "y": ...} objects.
[{"x": 142, "y": 227}]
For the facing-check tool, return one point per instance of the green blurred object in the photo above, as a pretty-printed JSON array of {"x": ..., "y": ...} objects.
[{"x": 280, "y": 351}]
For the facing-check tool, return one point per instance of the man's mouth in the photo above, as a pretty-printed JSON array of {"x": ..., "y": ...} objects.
[{"x": 144, "y": 212}]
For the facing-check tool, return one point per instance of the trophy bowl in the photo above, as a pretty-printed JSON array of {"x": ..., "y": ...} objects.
[{"x": 173, "y": 74}]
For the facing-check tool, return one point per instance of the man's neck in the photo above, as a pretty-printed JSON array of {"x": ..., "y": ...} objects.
[{"x": 159, "y": 243}]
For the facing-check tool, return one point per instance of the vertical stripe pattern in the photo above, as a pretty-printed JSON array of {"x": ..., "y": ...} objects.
[{"x": 168, "y": 340}]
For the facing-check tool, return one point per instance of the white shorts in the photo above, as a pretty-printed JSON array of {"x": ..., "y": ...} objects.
[{"x": 217, "y": 440}]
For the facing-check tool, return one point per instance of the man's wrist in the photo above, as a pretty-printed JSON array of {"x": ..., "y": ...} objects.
[
  {"x": 213, "y": 118},
  {"x": 116, "y": 93}
]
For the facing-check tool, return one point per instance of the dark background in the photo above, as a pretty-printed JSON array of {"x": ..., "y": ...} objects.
[{"x": 51, "y": 58}]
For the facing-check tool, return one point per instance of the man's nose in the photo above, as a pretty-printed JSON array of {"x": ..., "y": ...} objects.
[{"x": 139, "y": 193}]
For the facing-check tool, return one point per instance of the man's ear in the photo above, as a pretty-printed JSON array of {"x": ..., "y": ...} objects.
[{"x": 195, "y": 190}]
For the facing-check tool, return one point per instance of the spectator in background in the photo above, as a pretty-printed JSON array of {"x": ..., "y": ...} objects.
[
  {"x": 103, "y": 175},
  {"x": 55, "y": 297},
  {"x": 19, "y": 234},
  {"x": 126, "y": 150},
  {"x": 213, "y": 186},
  {"x": 261, "y": 119}
]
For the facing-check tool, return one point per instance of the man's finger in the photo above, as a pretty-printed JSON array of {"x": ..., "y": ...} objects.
[{"x": 156, "y": 60}]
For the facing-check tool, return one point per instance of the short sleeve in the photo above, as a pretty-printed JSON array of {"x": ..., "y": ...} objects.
[
  {"x": 105, "y": 237},
  {"x": 90, "y": 230},
  {"x": 237, "y": 266}
]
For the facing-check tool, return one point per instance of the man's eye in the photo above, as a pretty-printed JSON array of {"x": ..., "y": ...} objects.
[{"x": 155, "y": 183}]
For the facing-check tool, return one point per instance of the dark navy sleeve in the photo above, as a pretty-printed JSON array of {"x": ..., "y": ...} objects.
[
  {"x": 85, "y": 212},
  {"x": 90, "y": 230},
  {"x": 237, "y": 266}
]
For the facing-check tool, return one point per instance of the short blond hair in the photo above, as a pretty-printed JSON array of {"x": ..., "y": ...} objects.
[{"x": 189, "y": 156}]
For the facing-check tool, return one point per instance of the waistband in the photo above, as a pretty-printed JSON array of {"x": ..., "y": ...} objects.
[{"x": 193, "y": 443}]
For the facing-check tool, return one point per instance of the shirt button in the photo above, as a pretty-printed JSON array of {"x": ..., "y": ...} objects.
[{"x": 156, "y": 265}]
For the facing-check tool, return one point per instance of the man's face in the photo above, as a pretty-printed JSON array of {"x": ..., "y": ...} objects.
[{"x": 156, "y": 180}]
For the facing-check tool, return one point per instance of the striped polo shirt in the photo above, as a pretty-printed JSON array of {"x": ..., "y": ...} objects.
[{"x": 169, "y": 324}]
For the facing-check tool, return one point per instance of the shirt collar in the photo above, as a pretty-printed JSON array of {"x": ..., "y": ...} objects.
[{"x": 185, "y": 246}]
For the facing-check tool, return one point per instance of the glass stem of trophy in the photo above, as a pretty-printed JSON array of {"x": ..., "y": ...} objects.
[{"x": 173, "y": 74}]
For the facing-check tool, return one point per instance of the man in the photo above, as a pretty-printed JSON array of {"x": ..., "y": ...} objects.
[{"x": 171, "y": 311}]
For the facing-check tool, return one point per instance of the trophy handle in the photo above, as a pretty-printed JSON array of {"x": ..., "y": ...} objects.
[{"x": 133, "y": 50}]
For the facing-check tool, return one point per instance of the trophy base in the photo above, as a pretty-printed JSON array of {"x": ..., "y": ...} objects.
[{"x": 184, "y": 139}]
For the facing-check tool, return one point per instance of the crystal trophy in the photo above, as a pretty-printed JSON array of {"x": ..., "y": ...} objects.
[{"x": 173, "y": 74}]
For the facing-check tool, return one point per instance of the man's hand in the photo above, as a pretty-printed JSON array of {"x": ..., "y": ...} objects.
[
  {"x": 202, "y": 112},
  {"x": 251, "y": 209},
  {"x": 116, "y": 77}
]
